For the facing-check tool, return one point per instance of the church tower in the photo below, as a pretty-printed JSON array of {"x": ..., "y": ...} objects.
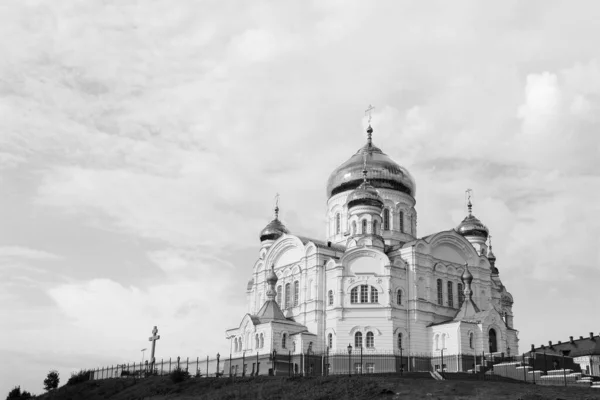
[{"x": 473, "y": 229}]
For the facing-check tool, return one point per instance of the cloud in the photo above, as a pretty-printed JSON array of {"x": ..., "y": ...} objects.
[{"x": 27, "y": 253}]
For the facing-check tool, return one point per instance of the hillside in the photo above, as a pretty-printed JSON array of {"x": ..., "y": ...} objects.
[{"x": 417, "y": 386}]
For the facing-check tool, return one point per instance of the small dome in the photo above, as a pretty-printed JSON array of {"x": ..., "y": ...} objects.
[
  {"x": 273, "y": 231},
  {"x": 365, "y": 195},
  {"x": 491, "y": 255},
  {"x": 467, "y": 277},
  {"x": 272, "y": 277},
  {"x": 471, "y": 226}
]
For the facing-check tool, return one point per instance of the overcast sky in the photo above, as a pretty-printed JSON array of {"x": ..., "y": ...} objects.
[{"x": 142, "y": 143}]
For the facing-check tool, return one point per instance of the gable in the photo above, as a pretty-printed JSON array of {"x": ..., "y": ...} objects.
[{"x": 450, "y": 253}]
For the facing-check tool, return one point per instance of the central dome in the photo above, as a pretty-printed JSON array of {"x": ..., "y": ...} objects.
[{"x": 384, "y": 173}]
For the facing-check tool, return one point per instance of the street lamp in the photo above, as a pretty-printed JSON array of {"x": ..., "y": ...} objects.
[
  {"x": 349, "y": 353},
  {"x": 274, "y": 362}
]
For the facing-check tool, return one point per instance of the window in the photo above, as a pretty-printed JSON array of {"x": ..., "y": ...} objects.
[
  {"x": 374, "y": 227},
  {"x": 354, "y": 295},
  {"x": 338, "y": 227},
  {"x": 471, "y": 340},
  {"x": 294, "y": 346},
  {"x": 330, "y": 295},
  {"x": 357, "y": 368},
  {"x": 450, "y": 294},
  {"x": 437, "y": 342},
  {"x": 262, "y": 340},
  {"x": 288, "y": 294},
  {"x": 440, "y": 292},
  {"x": 370, "y": 368},
  {"x": 370, "y": 340},
  {"x": 257, "y": 341},
  {"x": 364, "y": 227},
  {"x": 358, "y": 340},
  {"x": 386, "y": 219},
  {"x": 444, "y": 341},
  {"x": 374, "y": 295},
  {"x": 296, "y": 292},
  {"x": 399, "y": 297},
  {"x": 330, "y": 340},
  {"x": 364, "y": 293},
  {"x": 399, "y": 341},
  {"x": 368, "y": 294},
  {"x": 235, "y": 345},
  {"x": 283, "y": 340},
  {"x": 402, "y": 221},
  {"x": 278, "y": 299},
  {"x": 354, "y": 227},
  {"x": 461, "y": 294}
]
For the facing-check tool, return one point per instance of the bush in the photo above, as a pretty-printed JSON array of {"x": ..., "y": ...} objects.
[
  {"x": 16, "y": 394},
  {"x": 51, "y": 381},
  {"x": 79, "y": 377},
  {"x": 179, "y": 375}
]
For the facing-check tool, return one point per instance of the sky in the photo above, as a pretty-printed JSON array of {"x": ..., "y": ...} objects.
[{"x": 142, "y": 144}]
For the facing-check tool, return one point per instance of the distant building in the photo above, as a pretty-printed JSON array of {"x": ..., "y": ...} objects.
[
  {"x": 585, "y": 352},
  {"x": 372, "y": 283}
]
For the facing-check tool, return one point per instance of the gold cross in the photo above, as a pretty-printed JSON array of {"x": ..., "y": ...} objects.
[{"x": 368, "y": 111}]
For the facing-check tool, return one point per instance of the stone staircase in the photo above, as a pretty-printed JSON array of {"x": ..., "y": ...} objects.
[{"x": 522, "y": 371}]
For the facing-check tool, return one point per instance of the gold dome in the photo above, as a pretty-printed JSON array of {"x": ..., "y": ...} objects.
[{"x": 384, "y": 173}]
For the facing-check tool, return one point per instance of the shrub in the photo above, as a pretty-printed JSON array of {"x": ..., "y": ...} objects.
[
  {"x": 51, "y": 381},
  {"x": 79, "y": 377},
  {"x": 179, "y": 375},
  {"x": 16, "y": 394}
]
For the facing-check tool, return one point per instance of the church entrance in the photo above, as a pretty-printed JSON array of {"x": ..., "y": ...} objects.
[{"x": 493, "y": 342}]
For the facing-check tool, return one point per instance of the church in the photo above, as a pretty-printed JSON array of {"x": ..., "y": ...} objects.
[{"x": 372, "y": 283}]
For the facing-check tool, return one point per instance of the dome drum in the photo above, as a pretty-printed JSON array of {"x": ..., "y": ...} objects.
[{"x": 365, "y": 202}]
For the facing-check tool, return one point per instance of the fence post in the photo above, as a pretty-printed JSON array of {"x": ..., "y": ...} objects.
[
  {"x": 290, "y": 363},
  {"x": 361, "y": 361},
  {"x": 169, "y": 365},
  {"x": 187, "y": 364},
  {"x": 442, "y": 362},
  {"x": 257, "y": 362},
  {"x": 533, "y": 367},
  {"x": 564, "y": 370},
  {"x": 198, "y": 365},
  {"x": 401, "y": 362}
]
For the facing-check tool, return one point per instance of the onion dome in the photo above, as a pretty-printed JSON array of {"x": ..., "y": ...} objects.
[
  {"x": 274, "y": 229},
  {"x": 471, "y": 226},
  {"x": 384, "y": 173},
  {"x": 492, "y": 258},
  {"x": 272, "y": 277},
  {"x": 466, "y": 277},
  {"x": 365, "y": 194}
]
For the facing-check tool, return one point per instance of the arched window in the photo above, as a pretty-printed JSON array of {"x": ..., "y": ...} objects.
[
  {"x": 358, "y": 340},
  {"x": 235, "y": 345},
  {"x": 399, "y": 297},
  {"x": 354, "y": 295},
  {"x": 399, "y": 340},
  {"x": 450, "y": 294},
  {"x": 278, "y": 299},
  {"x": 386, "y": 219},
  {"x": 338, "y": 226},
  {"x": 364, "y": 293},
  {"x": 374, "y": 227},
  {"x": 294, "y": 346},
  {"x": 437, "y": 342},
  {"x": 330, "y": 340},
  {"x": 257, "y": 341},
  {"x": 471, "y": 340},
  {"x": 354, "y": 227},
  {"x": 440, "y": 292},
  {"x": 288, "y": 294},
  {"x": 364, "y": 227},
  {"x": 461, "y": 295},
  {"x": 296, "y": 292},
  {"x": 283, "y": 340},
  {"x": 330, "y": 295},
  {"x": 262, "y": 340},
  {"x": 402, "y": 221},
  {"x": 444, "y": 341},
  {"x": 309, "y": 292},
  {"x": 374, "y": 295},
  {"x": 370, "y": 340}
]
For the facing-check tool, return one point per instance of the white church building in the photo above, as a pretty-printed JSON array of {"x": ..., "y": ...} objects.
[{"x": 372, "y": 283}]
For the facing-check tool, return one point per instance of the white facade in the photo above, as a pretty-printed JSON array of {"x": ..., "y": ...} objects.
[{"x": 373, "y": 283}]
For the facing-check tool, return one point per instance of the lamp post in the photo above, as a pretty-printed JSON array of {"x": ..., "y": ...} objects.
[
  {"x": 274, "y": 362},
  {"x": 349, "y": 353},
  {"x": 218, "y": 362}
]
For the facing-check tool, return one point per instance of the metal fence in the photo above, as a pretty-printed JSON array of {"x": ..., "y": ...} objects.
[{"x": 534, "y": 368}]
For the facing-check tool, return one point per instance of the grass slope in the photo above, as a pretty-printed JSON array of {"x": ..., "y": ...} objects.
[{"x": 417, "y": 386}]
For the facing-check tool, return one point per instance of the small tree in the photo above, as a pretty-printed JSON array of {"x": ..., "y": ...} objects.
[
  {"x": 16, "y": 394},
  {"x": 51, "y": 381}
]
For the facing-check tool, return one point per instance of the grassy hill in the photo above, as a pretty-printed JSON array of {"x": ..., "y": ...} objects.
[{"x": 415, "y": 386}]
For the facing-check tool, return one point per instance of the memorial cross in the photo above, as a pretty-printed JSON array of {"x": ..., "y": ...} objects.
[
  {"x": 368, "y": 111},
  {"x": 153, "y": 339}
]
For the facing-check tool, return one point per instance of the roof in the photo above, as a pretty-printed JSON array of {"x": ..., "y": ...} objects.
[
  {"x": 270, "y": 311},
  {"x": 578, "y": 347},
  {"x": 321, "y": 244}
]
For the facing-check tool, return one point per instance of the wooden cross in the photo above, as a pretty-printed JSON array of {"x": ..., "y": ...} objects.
[
  {"x": 153, "y": 339},
  {"x": 368, "y": 111}
]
